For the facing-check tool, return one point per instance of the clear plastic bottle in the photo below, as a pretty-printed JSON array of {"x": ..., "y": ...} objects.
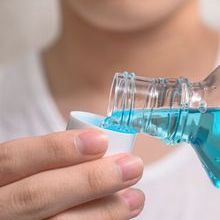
[{"x": 174, "y": 110}]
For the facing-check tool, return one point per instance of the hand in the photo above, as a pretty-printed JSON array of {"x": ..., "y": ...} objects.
[{"x": 63, "y": 176}]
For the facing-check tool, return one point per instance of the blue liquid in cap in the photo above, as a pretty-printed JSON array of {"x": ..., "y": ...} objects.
[{"x": 173, "y": 126}]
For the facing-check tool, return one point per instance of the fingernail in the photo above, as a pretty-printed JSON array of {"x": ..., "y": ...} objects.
[
  {"x": 131, "y": 167},
  {"x": 134, "y": 199},
  {"x": 92, "y": 142}
]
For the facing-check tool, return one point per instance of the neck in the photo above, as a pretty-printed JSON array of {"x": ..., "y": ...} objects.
[{"x": 85, "y": 57}]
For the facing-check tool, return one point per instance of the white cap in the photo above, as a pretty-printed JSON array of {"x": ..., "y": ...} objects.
[{"x": 118, "y": 142}]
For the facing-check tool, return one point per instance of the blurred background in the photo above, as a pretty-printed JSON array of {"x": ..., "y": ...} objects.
[{"x": 31, "y": 25}]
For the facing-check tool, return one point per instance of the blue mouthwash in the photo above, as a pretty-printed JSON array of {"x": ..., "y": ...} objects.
[{"x": 174, "y": 110}]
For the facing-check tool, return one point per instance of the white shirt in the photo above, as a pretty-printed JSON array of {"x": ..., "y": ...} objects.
[{"x": 176, "y": 187}]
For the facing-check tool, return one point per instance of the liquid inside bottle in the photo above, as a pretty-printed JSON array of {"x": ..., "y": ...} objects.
[{"x": 175, "y": 111}]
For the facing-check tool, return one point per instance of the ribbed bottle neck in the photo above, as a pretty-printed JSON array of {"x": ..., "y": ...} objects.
[{"x": 130, "y": 93}]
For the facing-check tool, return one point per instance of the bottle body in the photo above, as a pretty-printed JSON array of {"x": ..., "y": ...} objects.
[{"x": 174, "y": 110}]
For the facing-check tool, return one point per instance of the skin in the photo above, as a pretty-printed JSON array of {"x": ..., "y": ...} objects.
[
  {"x": 91, "y": 48},
  {"x": 58, "y": 176},
  {"x": 41, "y": 177},
  {"x": 123, "y": 16}
]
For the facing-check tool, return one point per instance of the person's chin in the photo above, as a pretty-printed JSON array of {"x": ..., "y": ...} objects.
[
  {"x": 112, "y": 15},
  {"x": 118, "y": 23}
]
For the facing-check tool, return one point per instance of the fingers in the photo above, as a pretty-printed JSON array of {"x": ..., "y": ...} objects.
[
  {"x": 25, "y": 157},
  {"x": 51, "y": 192},
  {"x": 124, "y": 205}
]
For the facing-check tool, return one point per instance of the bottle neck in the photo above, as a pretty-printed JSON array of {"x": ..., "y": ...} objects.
[
  {"x": 130, "y": 91},
  {"x": 139, "y": 104}
]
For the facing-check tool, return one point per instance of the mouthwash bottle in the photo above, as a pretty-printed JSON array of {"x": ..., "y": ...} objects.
[{"x": 174, "y": 110}]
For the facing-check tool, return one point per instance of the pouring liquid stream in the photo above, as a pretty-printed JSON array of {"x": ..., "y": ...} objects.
[{"x": 173, "y": 126}]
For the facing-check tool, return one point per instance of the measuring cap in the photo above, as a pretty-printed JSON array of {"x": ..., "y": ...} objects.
[{"x": 118, "y": 142}]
